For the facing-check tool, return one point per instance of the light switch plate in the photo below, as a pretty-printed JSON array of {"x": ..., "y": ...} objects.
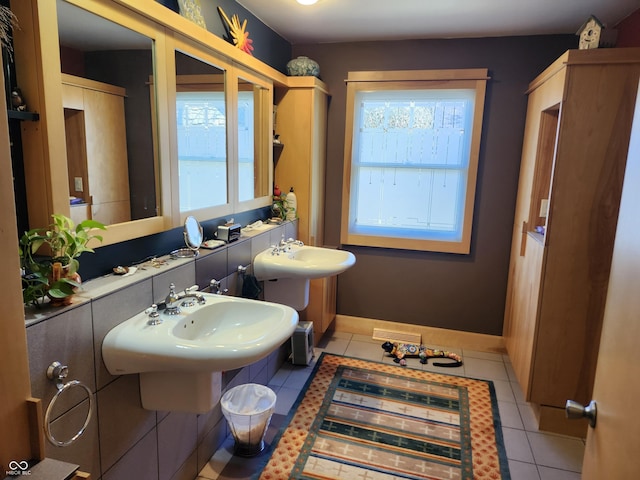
[{"x": 77, "y": 183}]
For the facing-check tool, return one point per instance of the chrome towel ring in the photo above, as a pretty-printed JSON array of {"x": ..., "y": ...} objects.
[{"x": 57, "y": 372}]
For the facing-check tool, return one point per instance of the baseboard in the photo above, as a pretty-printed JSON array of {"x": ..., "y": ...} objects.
[{"x": 440, "y": 337}]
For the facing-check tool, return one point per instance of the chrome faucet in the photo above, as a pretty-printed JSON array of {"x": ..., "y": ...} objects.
[
  {"x": 285, "y": 246},
  {"x": 173, "y": 299},
  {"x": 215, "y": 286}
]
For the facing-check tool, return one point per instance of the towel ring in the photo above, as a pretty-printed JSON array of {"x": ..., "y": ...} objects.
[{"x": 56, "y": 372}]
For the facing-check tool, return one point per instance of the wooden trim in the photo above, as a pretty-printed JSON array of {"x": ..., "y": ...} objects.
[
  {"x": 81, "y": 476},
  {"x": 586, "y": 57},
  {"x": 15, "y": 388},
  {"x": 415, "y": 79},
  {"x": 92, "y": 85},
  {"x": 307, "y": 82},
  {"x": 418, "y": 75},
  {"x": 36, "y": 427},
  {"x": 436, "y": 336}
]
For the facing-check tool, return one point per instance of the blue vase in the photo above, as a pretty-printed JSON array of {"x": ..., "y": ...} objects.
[{"x": 303, "y": 67}]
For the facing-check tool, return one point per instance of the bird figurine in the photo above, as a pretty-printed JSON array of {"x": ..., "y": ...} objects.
[{"x": 17, "y": 100}]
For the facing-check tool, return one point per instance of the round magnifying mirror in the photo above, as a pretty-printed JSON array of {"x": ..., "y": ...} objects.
[{"x": 192, "y": 233}]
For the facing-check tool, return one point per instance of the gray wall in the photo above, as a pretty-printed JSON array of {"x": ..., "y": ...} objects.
[{"x": 462, "y": 292}]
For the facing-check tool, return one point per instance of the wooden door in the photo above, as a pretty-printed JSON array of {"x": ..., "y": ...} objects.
[{"x": 613, "y": 445}]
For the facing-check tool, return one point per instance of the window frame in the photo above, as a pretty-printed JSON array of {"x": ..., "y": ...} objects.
[{"x": 470, "y": 79}]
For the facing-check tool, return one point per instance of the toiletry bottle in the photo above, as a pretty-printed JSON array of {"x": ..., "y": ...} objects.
[{"x": 291, "y": 205}]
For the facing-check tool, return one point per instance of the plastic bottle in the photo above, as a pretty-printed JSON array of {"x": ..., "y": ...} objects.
[{"x": 291, "y": 205}]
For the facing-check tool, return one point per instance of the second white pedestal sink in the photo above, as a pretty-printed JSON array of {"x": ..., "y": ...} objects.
[{"x": 288, "y": 268}]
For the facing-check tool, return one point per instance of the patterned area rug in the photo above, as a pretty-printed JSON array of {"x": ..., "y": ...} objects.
[{"x": 363, "y": 420}]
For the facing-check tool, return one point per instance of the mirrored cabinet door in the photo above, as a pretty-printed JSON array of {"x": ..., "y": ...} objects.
[
  {"x": 201, "y": 132},
  {"x": 253, "y": 140}
]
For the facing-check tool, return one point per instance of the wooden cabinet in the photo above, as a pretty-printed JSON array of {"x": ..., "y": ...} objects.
[
  {"x": 577, "y": 132},
  {"x": 97, "y": 148},
  {"x": 301, "y": 122}
]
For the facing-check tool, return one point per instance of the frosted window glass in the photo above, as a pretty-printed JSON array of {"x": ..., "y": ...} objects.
[{"x": 410, "y": 161}]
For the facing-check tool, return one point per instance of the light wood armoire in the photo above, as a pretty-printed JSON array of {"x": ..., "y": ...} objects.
[
  {"x": 578, "y": 124},
  {"x": 301, "y": 122}
]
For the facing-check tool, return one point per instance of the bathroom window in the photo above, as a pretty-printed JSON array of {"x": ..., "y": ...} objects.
[{"x": 411, "y": 157}]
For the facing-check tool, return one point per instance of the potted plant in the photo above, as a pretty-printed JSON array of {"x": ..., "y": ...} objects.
[{"x": 56, "y": 274}]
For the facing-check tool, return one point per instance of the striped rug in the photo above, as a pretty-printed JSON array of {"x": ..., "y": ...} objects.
[{"x": 362, "y": 420}]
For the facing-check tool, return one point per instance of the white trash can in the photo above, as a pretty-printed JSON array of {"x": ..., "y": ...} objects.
[{"x": 248, "y": 409}]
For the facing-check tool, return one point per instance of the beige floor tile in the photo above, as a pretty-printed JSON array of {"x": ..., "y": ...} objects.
[
  {"x": 509, "y": 415},
  {"x": 503, "y": 391},
  {"x": 496, "y": 357},
  {"x": 366, "y": 350},
  {"x": 547, "y": 473},
  {"x": 517, "y": 445},
  {"x": 485, "y": 369},
  {"x": 523, "y": 471},
  {"x": 557, "y": 451}
]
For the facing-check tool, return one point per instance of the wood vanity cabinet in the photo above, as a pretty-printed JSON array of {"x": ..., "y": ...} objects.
[
  {"x": 578, "y": 124},
  {"x": 96, "y": 149},
  {"x": 301, "y": 122}
]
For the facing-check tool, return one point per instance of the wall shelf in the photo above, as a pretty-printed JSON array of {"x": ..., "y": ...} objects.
[{"x": 20, "y": 115}]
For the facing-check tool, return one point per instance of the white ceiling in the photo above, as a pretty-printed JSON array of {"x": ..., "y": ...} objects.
[{"x": 330, "y": 21}]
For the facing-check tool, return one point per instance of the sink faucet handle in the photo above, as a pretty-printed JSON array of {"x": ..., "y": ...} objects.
[
  {"x": 154, "y": 316},
  {"x": 192, "y": 289}
]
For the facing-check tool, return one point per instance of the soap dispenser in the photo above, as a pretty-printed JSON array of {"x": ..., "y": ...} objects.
[{"x": 291, "y": 205}]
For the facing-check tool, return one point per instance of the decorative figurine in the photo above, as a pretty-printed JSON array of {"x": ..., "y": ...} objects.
[
  {"x": 402, "y": 350},
  {"x": 17, "y": 100},
  {"x": 237, "y": 32},
  {"x": 589, "y": 33}
]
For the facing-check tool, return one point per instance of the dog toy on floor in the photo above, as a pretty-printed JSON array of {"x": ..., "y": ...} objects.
[{"x": 401, "y": 350}]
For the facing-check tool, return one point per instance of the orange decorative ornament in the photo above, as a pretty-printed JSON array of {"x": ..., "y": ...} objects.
[{"x": 238, "y": 32}]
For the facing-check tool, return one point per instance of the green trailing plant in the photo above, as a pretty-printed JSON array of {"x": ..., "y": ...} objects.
[{"x": 55, "y": 273}]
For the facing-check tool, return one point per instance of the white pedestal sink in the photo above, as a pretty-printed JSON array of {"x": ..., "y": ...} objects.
[
  {"x": 180, "y": 360},
  {"x": 287, "y": 269}
]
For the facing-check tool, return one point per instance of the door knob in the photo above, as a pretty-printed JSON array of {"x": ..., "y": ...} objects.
[{"x": 574, "y": 410}]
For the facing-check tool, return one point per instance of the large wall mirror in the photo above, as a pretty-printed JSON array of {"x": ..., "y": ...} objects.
[{"x": 113, "y": 173}]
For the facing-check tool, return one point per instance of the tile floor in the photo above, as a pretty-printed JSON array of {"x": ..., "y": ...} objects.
[{"x": 533, "y": 455}]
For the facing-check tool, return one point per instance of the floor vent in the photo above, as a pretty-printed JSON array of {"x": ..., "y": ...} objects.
[{"x": 396, "y": 337}]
